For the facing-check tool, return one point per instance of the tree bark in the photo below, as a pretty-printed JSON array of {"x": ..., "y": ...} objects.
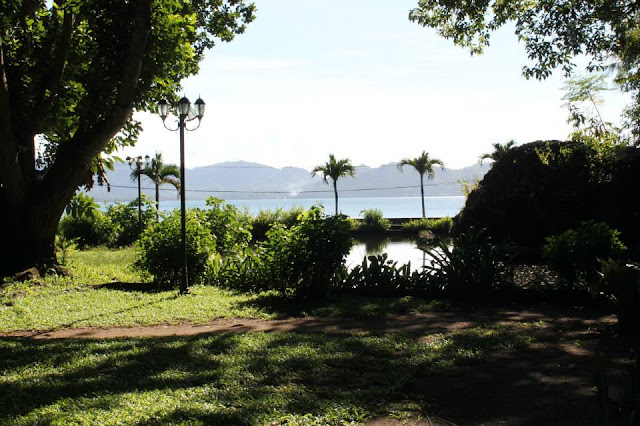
[
  {"x": 31, "y": 205},
  {"x": 29, "y": 233}
]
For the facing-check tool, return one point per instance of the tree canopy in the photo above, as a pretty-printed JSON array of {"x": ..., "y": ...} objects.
[
  {"x": 554, "y": 33},
  {"x": 499, "y": 151},
  {"x": 72, "y": 73}
]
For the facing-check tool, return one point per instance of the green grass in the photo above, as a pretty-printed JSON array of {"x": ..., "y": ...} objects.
[
  {"x": 254, "y": 378},
  {"x": 105, "y": 292}
]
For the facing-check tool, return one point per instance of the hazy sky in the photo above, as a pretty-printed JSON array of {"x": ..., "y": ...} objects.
[{"x": 357, "y": 79}]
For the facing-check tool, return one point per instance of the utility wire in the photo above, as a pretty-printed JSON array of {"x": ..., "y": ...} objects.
[
  {"x": 227, "y": 191},
  {"x": 289, "y": 167}
]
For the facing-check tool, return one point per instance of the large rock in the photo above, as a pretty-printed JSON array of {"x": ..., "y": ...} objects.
[{"x": 544, "y": 188}]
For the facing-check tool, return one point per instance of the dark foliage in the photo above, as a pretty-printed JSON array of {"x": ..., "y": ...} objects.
[{"x": 545, "y": 188}]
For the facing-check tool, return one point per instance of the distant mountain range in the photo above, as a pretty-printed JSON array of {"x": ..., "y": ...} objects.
[{"x": 242, "y": 180}]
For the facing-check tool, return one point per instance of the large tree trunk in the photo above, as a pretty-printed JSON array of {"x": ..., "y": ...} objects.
[
  {"x": 32, "y": 202},
  {"x": 29, "y": 232}
]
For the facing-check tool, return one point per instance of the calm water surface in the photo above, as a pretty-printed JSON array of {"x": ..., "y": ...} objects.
[
  {"x": 392, "y": 207},
  {"x": 399, "y": 250}
]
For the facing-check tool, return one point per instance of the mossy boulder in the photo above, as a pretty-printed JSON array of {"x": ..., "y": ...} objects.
[{"x": 544, "y": 188}]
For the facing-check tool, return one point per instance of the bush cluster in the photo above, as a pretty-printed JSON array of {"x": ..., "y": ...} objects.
[
  {"x": 266, "y": 219},
  {"x": 220, "y": 231},
  {"x": 467, "y": 267},
  {"x": 303, "y": 260},
  {"x": 160, "y": 248},
  {"x": 372, "y": 221},
  {"x": 440, "y": 226},
  {"x": 574, "y": 254},
  {"x": 117, "y": 227}
]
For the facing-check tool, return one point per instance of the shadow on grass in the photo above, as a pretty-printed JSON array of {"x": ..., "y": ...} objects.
[
  {"x": 343, "y": 306},
  {"x": 136, "y": 287},
  {"x": 486, "y": 374}
]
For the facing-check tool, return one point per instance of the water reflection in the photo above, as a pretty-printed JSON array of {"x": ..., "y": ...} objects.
[{"x": 399, "y": 250}]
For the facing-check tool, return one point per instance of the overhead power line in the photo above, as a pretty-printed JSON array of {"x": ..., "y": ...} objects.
[
  {"x": 229, "y": 191},
  {"x": 288, "y": 167}
]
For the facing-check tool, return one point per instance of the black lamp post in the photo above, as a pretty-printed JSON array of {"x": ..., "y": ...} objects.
[
  {"x": 135, "y": 163},
  {"x": 186, "y": 113}
]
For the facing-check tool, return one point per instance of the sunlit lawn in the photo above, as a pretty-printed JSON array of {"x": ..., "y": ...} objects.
[
  {"x": 105, "y": 291},
  {"x": 253, "y": 378}
]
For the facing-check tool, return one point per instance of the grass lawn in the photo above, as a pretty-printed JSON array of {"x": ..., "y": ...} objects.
[
  {"x": 509, "y": 368},
  {"x": 105, "y": 292},
  {"x": 253, "y": 378}
]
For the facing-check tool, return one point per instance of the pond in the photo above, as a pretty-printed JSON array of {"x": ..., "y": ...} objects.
[{"x": 401, "y": 250}]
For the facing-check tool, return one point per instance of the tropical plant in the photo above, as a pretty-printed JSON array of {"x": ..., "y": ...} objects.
[
  {"x": 468, "y": 267},
  {"x": 124, "y": 220},
  {"x": 468, "y": 186},
  {"x": 265, "y": 219},
  {"x": 440, "y": 226},
  {"x": 373, "y": 221},
  {"x": 304, "y": 260},
  {"x": 574, "y": 254},
  {"x": 82, "y": 205},
  {"x": 65, "y": 246},
  {"x": 379, "y": 276},
  {"x": 87, "y": 231},
  {"x": 230, "y": 226},
  {"x": 423, "y": 165},
  {"x": 160, "y": 174},
  {"x": 72, "y": 73},
  {"x": 335, "y": 169},
  {"x": 499, "y": 151},
  {"x": 159, "y": 253}
]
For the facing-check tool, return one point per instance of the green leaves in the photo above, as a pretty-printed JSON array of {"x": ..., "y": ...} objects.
[
  {"x": 82, "y": 205},
  {"x": 554, "y": 32}
]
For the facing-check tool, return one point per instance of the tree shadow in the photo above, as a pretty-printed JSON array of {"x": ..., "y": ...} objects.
[
  {"x": 136, "y": 287},
  {"x": 485, "y": 375},
  {"x": 340, "y": 306}
]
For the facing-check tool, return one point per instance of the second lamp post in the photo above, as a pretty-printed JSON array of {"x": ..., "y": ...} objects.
[
  {"x": 135, "y": 163},
  {"x": 186, "y": 113}
]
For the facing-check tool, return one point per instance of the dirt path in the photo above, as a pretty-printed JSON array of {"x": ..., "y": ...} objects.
[{"x": 418, "y": 325}]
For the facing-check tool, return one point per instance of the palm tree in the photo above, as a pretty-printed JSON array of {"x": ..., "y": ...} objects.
[
  {"x": 335, "y": 169},
  {"x": 423, "y": 164},
  {"x": 499, "y": 151},
  {"x": 160, "y": 174}
]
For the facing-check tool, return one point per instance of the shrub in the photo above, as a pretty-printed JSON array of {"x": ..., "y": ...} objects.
[
  {"x": 470, "y": 268},
  {"x": 303, "y": 260},
  {"x": 265, "y": 219},
  {"x": 87, "y": 231},
  {"x": 292, "y": 216},
  {"x": 373, "y": 221},
  {"x": 623, "y": 285},
  {"x": 378, "y": 276},
  {"x": 440, "y": 226},
  {"x": 574, "y": 254},
  {"x": 124, "y": 218},
  {"x": 231, "y": 228},
  {"x": 160, "y": 251},
  {"x": 82, "y": 205}
]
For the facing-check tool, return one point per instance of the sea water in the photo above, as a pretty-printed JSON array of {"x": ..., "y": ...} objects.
[{"x": 391, "y": 207}]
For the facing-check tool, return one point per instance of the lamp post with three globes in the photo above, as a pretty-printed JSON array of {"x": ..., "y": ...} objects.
[{"x": 186, "y": 113}]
